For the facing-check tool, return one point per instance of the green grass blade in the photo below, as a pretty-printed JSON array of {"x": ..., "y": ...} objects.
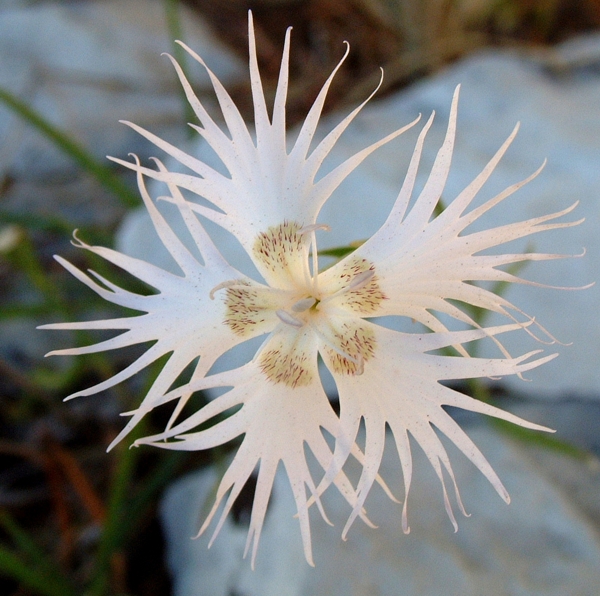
[
  {"x": 172, "y": 17},
  {"x": 29, "y": 565},
  {"x": 70, "y": 147},
  {"x": 35, "y": 221},
  {"x": 116, "y": 526},
  {"x": 162, "y": 475},
  {"x": 12, "y": 566},
  {"x": 536, "y": 438}
]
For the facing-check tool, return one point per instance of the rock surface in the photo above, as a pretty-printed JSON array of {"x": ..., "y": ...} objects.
[
  {"x": 542, "y": 543},
  {"x": 89, "y": 65}
]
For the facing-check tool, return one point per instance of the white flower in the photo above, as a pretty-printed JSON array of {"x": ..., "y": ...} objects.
[{"x": 417, "y": 265}]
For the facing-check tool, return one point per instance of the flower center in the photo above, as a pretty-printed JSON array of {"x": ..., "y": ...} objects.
[{"x": 304, "y": 311}]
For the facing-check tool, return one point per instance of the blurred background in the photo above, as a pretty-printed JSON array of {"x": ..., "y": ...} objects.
[{"x": 74, "y": 519}]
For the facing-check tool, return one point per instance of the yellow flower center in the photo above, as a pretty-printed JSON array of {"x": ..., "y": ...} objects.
[{"x": 301, "y": 310}]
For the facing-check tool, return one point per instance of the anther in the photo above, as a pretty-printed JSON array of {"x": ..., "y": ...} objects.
[
  {"x": 288, "y": 319},
  {"x": 304, "y": 304}
]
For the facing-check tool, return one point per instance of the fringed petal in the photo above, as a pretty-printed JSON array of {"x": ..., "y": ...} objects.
[{"x": 400, "y": 387}]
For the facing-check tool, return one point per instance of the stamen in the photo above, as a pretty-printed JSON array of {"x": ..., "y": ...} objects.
[
  {"x": 304, "y": 304},
  {"x": 288, "y": 319},
  {"x": 361, "y": 366},
  {"x": 315, "y": 265},
  {"x": 358, "y": 281},
  {"x": 311, "y": 229},
  {"x": 232, "y": 283},
  {"x": 359, "y": 360}
]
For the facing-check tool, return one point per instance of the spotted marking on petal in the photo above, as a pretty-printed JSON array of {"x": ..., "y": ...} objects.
[
  {"x": 250, "y": 306},
  {"x": 281, "y": 251},
  {"x": 354, "y": 339},
  {"x": 289, "y": 358},
  {"x": 364, "y": 300}
]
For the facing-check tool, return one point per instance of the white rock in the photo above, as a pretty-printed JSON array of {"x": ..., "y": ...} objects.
[
  {"x": 560, "y": 121},
  {"x": 540, "y": 544},
  {"x": 88, "y": 65}
]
